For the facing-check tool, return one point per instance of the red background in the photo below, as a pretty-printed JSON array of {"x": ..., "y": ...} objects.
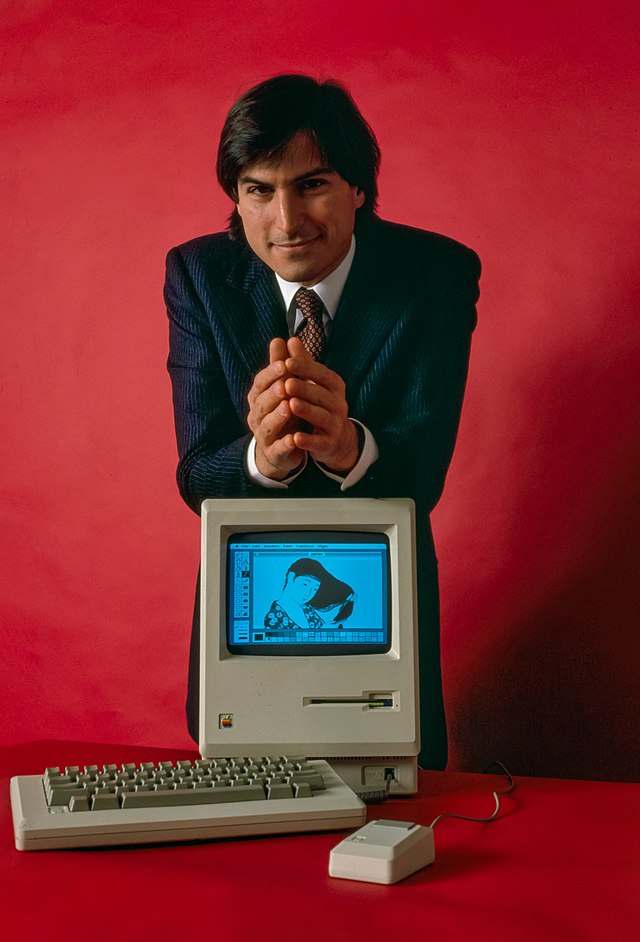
[{"x": 511, "y": 128}]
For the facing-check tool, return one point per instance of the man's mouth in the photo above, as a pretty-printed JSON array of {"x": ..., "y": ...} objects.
[{"x": 294, "y": 245}]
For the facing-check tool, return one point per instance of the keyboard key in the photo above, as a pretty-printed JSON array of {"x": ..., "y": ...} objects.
[
  {"x": 302, "y": 790},
  {"x": 59, "y": 779},
  {"x": 278, "y": 790},
  {"x": 104, "y": 801},
  {"x": 314, "y": 780},
  {"x": 79, "y": 803},
  {"x": 192, "y": 796}
]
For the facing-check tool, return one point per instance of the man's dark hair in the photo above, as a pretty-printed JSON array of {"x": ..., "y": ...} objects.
[{"x": 264, "y": 120}]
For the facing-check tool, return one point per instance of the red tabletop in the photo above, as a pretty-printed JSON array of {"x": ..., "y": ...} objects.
[{"x": 561, "y": 863}]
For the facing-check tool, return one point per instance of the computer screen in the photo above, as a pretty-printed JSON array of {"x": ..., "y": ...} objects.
[
  {"x": 321, "y": 592},
  {"x": 309, "y": 631}
]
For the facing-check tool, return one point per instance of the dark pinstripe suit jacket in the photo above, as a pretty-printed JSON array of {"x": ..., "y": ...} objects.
[{"x": 400, "y": 340}]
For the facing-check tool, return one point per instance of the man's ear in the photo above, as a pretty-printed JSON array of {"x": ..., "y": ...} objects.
[{"x": 360, "y": 197}]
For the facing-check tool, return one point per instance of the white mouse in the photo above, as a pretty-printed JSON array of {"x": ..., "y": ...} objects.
[{"x": 383, "y": 852}]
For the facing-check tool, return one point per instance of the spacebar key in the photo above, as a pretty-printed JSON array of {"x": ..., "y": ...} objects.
[{"x": 192, "y": 796}]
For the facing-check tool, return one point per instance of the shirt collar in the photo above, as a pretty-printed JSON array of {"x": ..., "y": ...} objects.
[{"x": 329, "y": 289}]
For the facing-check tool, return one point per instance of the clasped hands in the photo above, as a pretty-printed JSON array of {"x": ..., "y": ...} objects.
[{"x": 297, "y": 406}]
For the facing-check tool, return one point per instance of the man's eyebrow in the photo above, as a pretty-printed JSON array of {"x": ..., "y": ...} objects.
[{"x": 316, "y": 172}]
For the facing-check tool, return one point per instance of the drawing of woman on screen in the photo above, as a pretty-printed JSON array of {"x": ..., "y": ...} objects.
[{"x": 309, "y": 596}]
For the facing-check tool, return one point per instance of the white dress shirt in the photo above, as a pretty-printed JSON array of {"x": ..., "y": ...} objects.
[{"x": 329, "y": 290}]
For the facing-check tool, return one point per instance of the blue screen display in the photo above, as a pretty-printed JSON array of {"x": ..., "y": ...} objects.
[{"x": 321, "y": 592}]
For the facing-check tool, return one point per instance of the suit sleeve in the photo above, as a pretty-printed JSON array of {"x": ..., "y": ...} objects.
[
  {"x": 421, "y": 383},
  {"x": 211, "y": 433}
]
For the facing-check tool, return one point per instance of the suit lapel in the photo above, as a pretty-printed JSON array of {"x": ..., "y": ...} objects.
[
  {"x": 253, "y": 313},
  {"x": 369, "y": 308}
]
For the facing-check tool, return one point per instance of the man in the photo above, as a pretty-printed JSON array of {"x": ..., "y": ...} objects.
[{"x": 277, "y": 394}]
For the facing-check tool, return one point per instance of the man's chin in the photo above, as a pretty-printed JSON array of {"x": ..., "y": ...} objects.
[
  {"x": 293, "y": 263},
  {"x": 297, "y": 270}
]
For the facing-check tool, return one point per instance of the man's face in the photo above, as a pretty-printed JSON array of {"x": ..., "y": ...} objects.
[{"x": 297, "y": 213}]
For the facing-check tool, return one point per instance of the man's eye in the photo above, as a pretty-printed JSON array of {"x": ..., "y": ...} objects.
[
  {"x": 314, "y": 184},
  {"x": 258, "y": 189}
]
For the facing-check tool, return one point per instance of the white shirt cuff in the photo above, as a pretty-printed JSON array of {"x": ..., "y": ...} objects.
[
  {"x": 258, "y": 478},
  {"x": 368, "y": 456}
]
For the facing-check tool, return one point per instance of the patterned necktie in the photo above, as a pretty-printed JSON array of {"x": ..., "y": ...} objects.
[{"x": 311, "y": 330}]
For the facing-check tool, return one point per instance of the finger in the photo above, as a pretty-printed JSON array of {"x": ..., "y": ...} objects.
[
  {"x": 278, "y": 350},
  {"x": 321, "y": 418},
  {"x": 265, "y": 379},
  {"x": 308, "y": 369},
  {"x": 310, "y": 392},
  {"x": 339, "y": 450},
  {"x": 286, "y": 445},
  {"x": 298, "y": 353},
  {"x": 296, "y": 348},
  {"x": 265, "y": 404},
  {"x": 279, "y": 459},
  {"x": 269, "y": 424},
  {"x": 271, "y": 373},
  {"x": 316, "y": 442},
  {"x": 280, "y": 448}
]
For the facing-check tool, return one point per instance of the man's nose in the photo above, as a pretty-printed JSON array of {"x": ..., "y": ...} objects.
[{"x": 289, "y": 211}]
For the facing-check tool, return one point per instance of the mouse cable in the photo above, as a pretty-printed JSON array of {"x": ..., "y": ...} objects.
[{"x": 496, "y": 795}]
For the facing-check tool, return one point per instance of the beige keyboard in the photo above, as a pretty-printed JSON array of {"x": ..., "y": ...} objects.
[{"x": 151, "y": 802}]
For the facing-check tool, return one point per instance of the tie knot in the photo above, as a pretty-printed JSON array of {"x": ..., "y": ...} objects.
[
  {"x": 309, "y": 303},
  {"x": 311, "y": 330}
]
